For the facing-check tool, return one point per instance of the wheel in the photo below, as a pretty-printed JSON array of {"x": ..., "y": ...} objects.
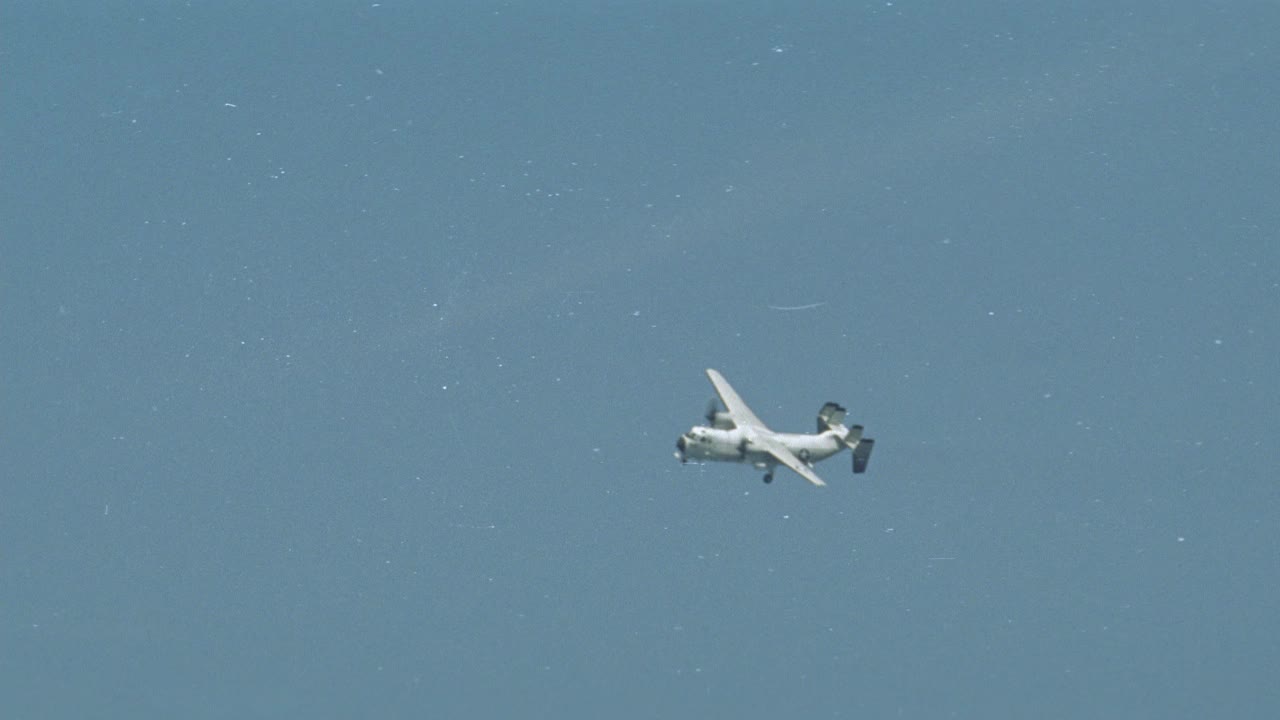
[{"x": 768, "y": 478}]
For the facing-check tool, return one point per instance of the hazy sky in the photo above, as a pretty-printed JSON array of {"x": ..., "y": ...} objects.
[{"x": 345, "y": 346}]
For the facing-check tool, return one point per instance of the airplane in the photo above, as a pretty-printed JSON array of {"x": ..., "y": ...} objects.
[{"x": 735, "y": 434}]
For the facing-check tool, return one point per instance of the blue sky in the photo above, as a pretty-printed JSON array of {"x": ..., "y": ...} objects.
[{"x": 346, "y": 346}]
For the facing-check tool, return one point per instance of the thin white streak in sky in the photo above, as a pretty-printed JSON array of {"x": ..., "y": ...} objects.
[{"x": 789, "y": 308}]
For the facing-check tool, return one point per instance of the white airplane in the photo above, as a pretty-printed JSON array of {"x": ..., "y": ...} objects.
[{"x": 737, "y": 435}]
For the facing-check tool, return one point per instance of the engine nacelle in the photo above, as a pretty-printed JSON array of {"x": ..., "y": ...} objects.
[{"x": 721, "y": 421}]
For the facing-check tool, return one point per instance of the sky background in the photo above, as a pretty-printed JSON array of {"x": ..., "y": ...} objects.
[{"x": 345, "y": 345}]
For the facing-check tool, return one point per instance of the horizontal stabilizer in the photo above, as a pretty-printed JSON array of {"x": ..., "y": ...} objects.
[{"x": 862, "y": 455}]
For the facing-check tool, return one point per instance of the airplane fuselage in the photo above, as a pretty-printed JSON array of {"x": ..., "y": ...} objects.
[{"x": 735, "y": 445}]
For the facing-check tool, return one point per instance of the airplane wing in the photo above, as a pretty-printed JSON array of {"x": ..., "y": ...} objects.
[
  {"x": 738, "y": 410},
  {"x": 788, "y": 458}
]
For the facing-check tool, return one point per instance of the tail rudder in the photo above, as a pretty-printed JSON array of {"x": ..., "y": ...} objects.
[{"x": 862, "y": 455}]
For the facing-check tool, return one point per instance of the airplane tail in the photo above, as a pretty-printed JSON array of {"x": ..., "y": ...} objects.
[
  {"x": 831, "y": 418},
  {"x": 862, "y": 455}
]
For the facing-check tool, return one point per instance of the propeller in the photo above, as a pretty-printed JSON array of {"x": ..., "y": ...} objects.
[{"x": 713, "y": 408}]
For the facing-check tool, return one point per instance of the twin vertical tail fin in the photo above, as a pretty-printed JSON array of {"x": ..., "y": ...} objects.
[
  {"x": 831, "y": 418},
  {"x": 861, "y": 447},
  {"x": 862, "y": 455}
]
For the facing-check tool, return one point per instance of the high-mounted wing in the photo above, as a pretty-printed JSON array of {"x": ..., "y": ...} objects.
[
  {"x": 788, "y": 458},
  {"x": 738, "y": 410}
]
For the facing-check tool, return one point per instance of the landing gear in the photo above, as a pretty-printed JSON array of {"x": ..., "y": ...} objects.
[{"x": 768, "y": 477}]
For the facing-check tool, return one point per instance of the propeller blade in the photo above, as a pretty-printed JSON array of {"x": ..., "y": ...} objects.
[{"x": 712, "y": 408}]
